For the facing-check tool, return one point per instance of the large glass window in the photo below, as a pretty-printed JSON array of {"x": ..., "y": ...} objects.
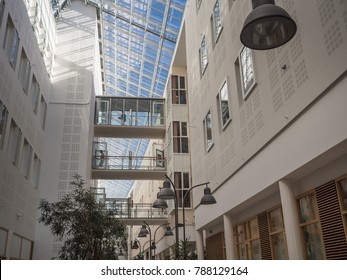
[
  {"x": 24, "y": 71},
  {"x": 3, "y": 123},
  {"x": 216, "y": 21},
  {"x": 181, "y": 182},
  {"x": 203, "y": 55},
  {"x": 277, "y": 235},
  {"x": 14, "y": 142},
  {"x": 35, "y": 93},
  {"x": 26, "y": 158},
  {"x": 223, "y": 102},
  {"x": 178, "y": 89},
  {"x": 247, "y": 240},
  {"x": 247, "y": 71},
  {"x": 310, "y": 227},
  {"x": 208, "y": 131},
  {"x": 180, "y": 137},
  {"x": 11, "y": 42}
]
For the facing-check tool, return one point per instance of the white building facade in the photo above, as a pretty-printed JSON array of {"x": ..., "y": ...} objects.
[{"x": 268, "y": 132}]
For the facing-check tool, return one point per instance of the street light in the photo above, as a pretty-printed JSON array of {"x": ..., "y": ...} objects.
[
  {"x": 145, "y": 229},
  {"x": 159, "y": 203},
  {"x": 168, "y": 232},
  {"x": 267, "y": 26},
  {"x": 206, "y": 199},
  {"x": 136, "y": 244},
  {"x": 167, "y": 193}
]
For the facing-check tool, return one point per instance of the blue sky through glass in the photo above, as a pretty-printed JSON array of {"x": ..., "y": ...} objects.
[{"x": 139, "y": 39}]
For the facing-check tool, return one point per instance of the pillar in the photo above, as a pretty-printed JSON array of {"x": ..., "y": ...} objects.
[
  {"x": 229, "y": 238},
  {"x": 200, "y": 244},
  {"x": 291, "y": 220}
]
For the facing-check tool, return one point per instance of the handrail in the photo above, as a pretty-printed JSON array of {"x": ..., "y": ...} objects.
[
  {"x": 126, "y": 209},
  {"x": 128, "y": 162}
]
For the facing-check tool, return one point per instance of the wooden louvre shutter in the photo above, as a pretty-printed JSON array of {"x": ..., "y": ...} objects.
[
  {"x": 215, "y": 249},
  {"x": 331, "y": 222},
  {"x": 264, "y": 236}
]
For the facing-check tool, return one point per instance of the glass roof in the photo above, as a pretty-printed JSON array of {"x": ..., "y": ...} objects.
[{"x": 139, "y": 39}]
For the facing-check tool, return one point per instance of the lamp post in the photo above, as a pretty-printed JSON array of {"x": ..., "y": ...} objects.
[
  {"x": 136, "y": 244},
  {"x": 267, "y": 26},
  {"x": 145, "y": 229},
  {"x": 207, "y": 199},
  {"x": 168, "y": 232},
  {"x": 167, "y": 193}
]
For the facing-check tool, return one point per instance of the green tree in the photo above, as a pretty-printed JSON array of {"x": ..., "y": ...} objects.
[{"x": 88, "y": 230}]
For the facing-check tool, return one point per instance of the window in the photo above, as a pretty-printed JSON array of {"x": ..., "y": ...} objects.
[
  {"x": 180, "y": 137},
  {"x": 178, "y": 90},
  {"x": 198, "y": 4},
  {"x": 181, "y": 182},
  {"x": 36, "y": 171},
  {"x": 24, "y": 71},
  {"x": 247, "y": 72},
  {"x": 14, "y": 142},
  {"x": 223, "y": 103},
  {"x": 277, "y": 235},
  {"x": 3, "y": 243},
  {"x": 310, "y": 227},
  {"x": 35, "y": 92},
  {"x": 342, "y": 187},
  {"x": 203, "y": 55},
  {"x": 2, "y": 9},
  {"x": 3, "y": 123},
  {"x": 43, "y": 112},
  {"x": 21, "y": 248},
  {"x": 26, "y": 158},
  {"x": 11, "y": 42},
  {"x": 216, "y": 21},
  {"x": 208, "y": 131},
  {"x": 247, "y": 240}
]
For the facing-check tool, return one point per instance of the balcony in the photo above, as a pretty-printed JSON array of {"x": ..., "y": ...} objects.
[{"x": 129, "y": 117}]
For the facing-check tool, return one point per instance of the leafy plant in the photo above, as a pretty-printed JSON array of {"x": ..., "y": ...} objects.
[
  {"x": 184, "y": 251},
  {"x": 87, "y": 229}
]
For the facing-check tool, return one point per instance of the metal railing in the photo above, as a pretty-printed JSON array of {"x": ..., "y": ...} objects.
[
  {"x": 126, "y": 209},
  {"x": 128, "y": 163}
]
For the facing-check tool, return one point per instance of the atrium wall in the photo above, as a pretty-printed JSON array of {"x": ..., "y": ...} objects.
[
  {"x": 284, "y": 137},
  {"x": 23, "y": 130},
  {"x": 70, "y": 118}
]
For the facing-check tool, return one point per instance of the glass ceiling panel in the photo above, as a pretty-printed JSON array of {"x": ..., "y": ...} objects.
[{"x": 139, "y": 38}]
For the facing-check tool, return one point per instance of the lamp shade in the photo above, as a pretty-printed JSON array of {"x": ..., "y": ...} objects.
[
  {"x": 143, "y": 232},
  {"x": 166, "y": 192},
  {"x": 207, "y": 198},
  {"x": 168, "y": 231},
  {"x": 159, "y": 203},
  {"x": 135, "y": 245},
  {"x": 267, "y": 26}
]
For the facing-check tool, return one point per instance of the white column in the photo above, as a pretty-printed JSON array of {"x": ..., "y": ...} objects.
[
  {"x": 291, "y": 220},
  {"x": 229, "y": 238},
  {"x": 199, "y": 244},
  {"x": 8, "y": 244}
]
